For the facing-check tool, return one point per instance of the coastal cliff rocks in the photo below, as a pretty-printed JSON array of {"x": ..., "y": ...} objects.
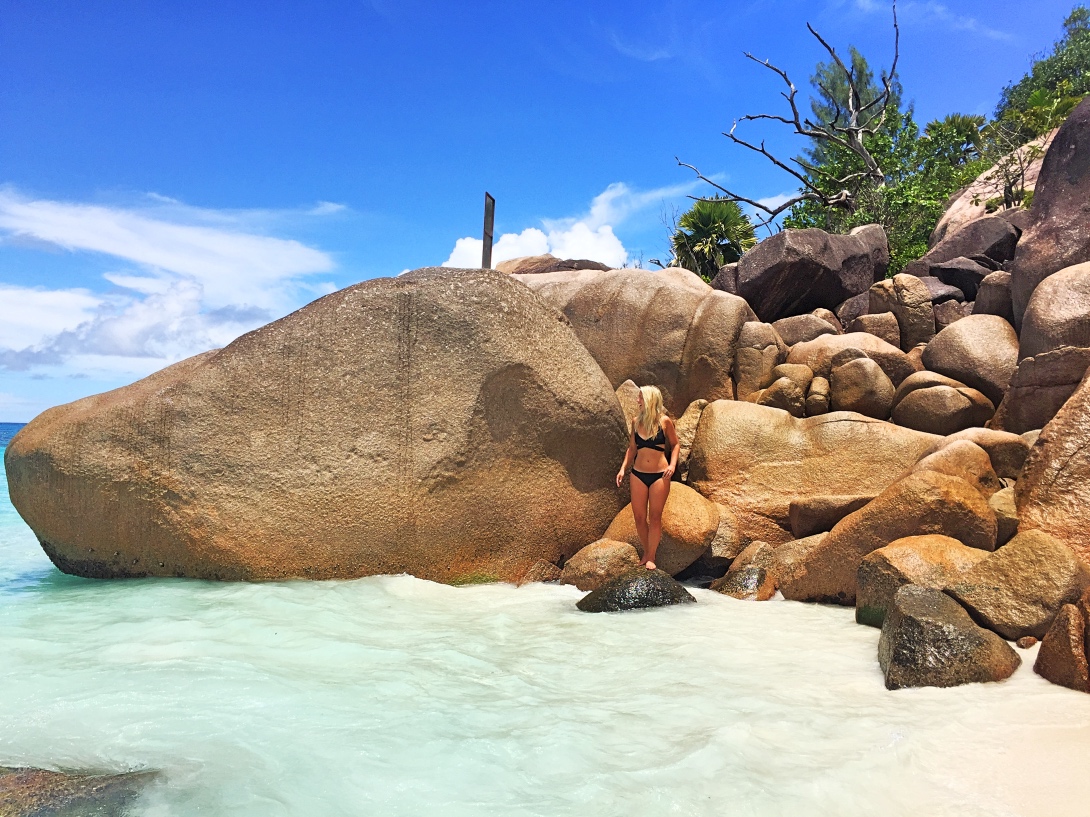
[
  {"x": 1058, "y": 313},
  {"x": 923, "y": 502},
  {"x": 991, "y": 237},
  {"x": 1053, "y": 491},
  {"x": 1062, "y": 657},
  {"x": 598, "y": 563},
  {"x": 797, "y": 271},
  {"x": 637, "y": 589},
  {"x": 1058, "y": 235},
  {"x": 980, "y": 351},
  {"x": 933, "y": 561},
  {"x": 758, "y": 460},
  {"x": 929, "y": 640},
  {"x": 444, "y": 423},
  {"x": 689, "y": 524},
  {"x": 668, "y": 328},
  {"x": 1039, "y": 388},
  {"x": 1020, "y": 588}
]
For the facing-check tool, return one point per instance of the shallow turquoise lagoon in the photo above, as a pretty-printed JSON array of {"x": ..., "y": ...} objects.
[{"x": 394, "y": 696}]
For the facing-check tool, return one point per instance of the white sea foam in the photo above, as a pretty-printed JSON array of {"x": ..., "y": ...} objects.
[{"x": 394, "y": 696}]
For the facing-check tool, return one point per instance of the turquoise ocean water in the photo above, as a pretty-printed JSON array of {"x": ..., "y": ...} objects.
[{"x": 395, "y": 696}]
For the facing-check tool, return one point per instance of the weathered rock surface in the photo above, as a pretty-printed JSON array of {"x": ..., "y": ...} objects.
[
  {"x": 760, "y": 350},
  {"x": 540, "y": 571},
  {"x": 818, "y": 514},
  {"x": 1039, "y": 387},
  {"x": 689, "y": 523},
  {"x": 964, "y": 459},
  {"x": 668, "y": 328},
  {"x": 537, "y": 264},
  {"x": 1062, "y": 657},
  {"x": 685, "y": 427},
  {"x": 928, "y": 640},
  {"x": 861, "y": 386},
  {"x": 942, "y": 409},
  {"x": 729, "y": 540},
  {"x": 883, "y": 325},
  {"x": 1006, "y": 451},
  {"x": 964, "y": 273},
  {"x": 1058, "y": 313},
  {"x": 923, "y": 380},
  {"x": 784, "y": 394},
  {"x": 637, "y": 589},
  {"x": 994, "y": 296},
  {"x": 830, "y": 318},
  {"x": 751, "y": 583},
  {"x": 1059, "y": 235},
  {"x": 598, "y": 563},
  {"x": 798, "y": 374},
  {"x": 628, "y": 394},
  {"x": 990, "y": 236},
  {"x": 981, "y": 351},
  {"x": 1019, "y": 589},
  {"x": 818, "y": 354},
  {"x": 799, "y": 328},
  {"x": 1006, "y": 515},
  {"x": 757, "y": 460},
  {"x": 796, "y": 271},
  {"x": 949, "y": 312},
  {"x": 909, "y": 299},
  {"x": 27, "y": 792},
  {"x": 442, "y": 423},
  {"x": 818, "y": 397},
  {"x": 922, "y": 503},
  {"x": 1053, "y": 491},
  {"x": 933, "y": 561},
  {"x": 852, "y": 308},
  {"x": 941, "y": 291}
]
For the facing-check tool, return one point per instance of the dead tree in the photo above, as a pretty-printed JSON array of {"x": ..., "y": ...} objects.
[{"x": 845, "y": 128}]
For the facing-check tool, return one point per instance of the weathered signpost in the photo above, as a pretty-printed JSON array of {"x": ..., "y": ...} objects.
[{"x": 489, "y": 220}]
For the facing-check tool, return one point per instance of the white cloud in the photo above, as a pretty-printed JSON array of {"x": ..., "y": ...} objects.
[
  {"x": 930, "y": 13},
  {"x": 197, "y": 281},
  {"x": 589, "y": 236},
  {"x": 638, "y": 52}
]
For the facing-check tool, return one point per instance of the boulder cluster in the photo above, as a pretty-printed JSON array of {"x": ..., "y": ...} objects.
[{"x": 917, "y": 446}]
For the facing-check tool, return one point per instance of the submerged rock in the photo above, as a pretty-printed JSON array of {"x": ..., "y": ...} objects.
[
  {"x": 26, "y": 792},
  {"x": 636, "y": 589},
  {"x": 444, "y": 423},
  {"x": 929, "y": 640}
]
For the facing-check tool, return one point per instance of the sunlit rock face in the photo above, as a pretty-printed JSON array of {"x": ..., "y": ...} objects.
[{"x": 445, "y": 423}]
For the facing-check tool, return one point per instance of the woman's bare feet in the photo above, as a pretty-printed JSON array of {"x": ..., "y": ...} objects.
[{"x": 649, "y": 565}]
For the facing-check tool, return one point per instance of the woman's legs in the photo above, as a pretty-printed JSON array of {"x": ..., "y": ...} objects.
[
  {"x": 639, "y": 508},
  {"x": 656, "y": 501}
]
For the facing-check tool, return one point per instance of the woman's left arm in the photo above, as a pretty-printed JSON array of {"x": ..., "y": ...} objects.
[{"x": 675, "y": 449}]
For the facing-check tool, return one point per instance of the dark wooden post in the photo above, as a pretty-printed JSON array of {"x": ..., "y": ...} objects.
[{"x": 489, "y": 220}]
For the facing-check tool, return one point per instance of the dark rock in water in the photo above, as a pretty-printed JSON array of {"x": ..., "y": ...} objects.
[
  {"x": 26, "y": 792},
  {"x": 929, "y": 640},
  {"x": 751, "y": 583},
  {"x": 634, "y": 590}
]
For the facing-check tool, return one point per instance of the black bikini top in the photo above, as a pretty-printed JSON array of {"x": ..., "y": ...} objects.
[{"x": 658, "y": 442}]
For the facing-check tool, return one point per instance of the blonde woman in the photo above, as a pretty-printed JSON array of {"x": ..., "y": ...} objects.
[{"x": 652, "y": 436}]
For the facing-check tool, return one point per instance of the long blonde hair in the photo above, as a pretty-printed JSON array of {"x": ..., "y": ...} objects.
[{"x": 650, "y": 419}]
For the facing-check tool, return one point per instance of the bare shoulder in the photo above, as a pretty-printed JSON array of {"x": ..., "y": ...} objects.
[{"x": 668, "y": 422}]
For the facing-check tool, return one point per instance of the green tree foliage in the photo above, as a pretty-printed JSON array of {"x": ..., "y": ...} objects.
[
  {"x": 712, "y": 233},
  {"x": 1064, "y": 73}
]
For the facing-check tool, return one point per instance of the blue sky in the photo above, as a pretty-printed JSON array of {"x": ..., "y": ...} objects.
[{"x": 175, "y": 174}]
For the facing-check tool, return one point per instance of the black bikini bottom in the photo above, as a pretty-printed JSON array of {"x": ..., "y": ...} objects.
[{"x": 646, "y": 478}]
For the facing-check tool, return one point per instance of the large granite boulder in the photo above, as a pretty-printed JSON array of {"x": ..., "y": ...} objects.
[
  {"x": 981, "y": 351},
  {"x": 941, "y": 409},
  {"x": 994, "y": 296},
  {"x": 1020, "y": 588},
  {"x": 444, "y": 423},
  {"x": 818, "y": 354},
  {"x": 1039, "y": 387},
  {"x": 1058, "y": 313},
  {"x": 1053, "y": 491},
  {"x": 924, "y": 502},
  {"x": 537, "y": 264},
  {"x": 818, "y": 514},
  {"x": 796, "y": 271},
  {"x": 1006, "y": 451},
  {"x": 666, "y": 328},
  {"x": 991, "y": 236},
  {"x": 1059, "y": 234},
  {"x": 758, "y": 460},
  {"x": 760, "y": 350},
  {"x": 1062, "y": 657},
  {"x": 1006, "y": 515},
  {"x": 964, "y": 459},
  {"x": 689, "y": 524},
  {"x": 909, "y": 299},
  {"x": 883, "y": 325},
  {"x": 964, "y": 273},
  {"x": 637, "y": 589},
  {"x": 685, "y": 428},
  {"x": 928, "y": 640},
  {"x": 598, "y": 563},
  {"x": 933, "y": 561},
  {"x": 799, "y": 328},
  {"x": 861, "y": 386}
]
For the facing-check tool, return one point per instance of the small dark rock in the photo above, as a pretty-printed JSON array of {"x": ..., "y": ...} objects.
[
  {"x": 636, "y": 589},
  {"x": 941, "y": 291},
  {"x": 26, "y": 792}
]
